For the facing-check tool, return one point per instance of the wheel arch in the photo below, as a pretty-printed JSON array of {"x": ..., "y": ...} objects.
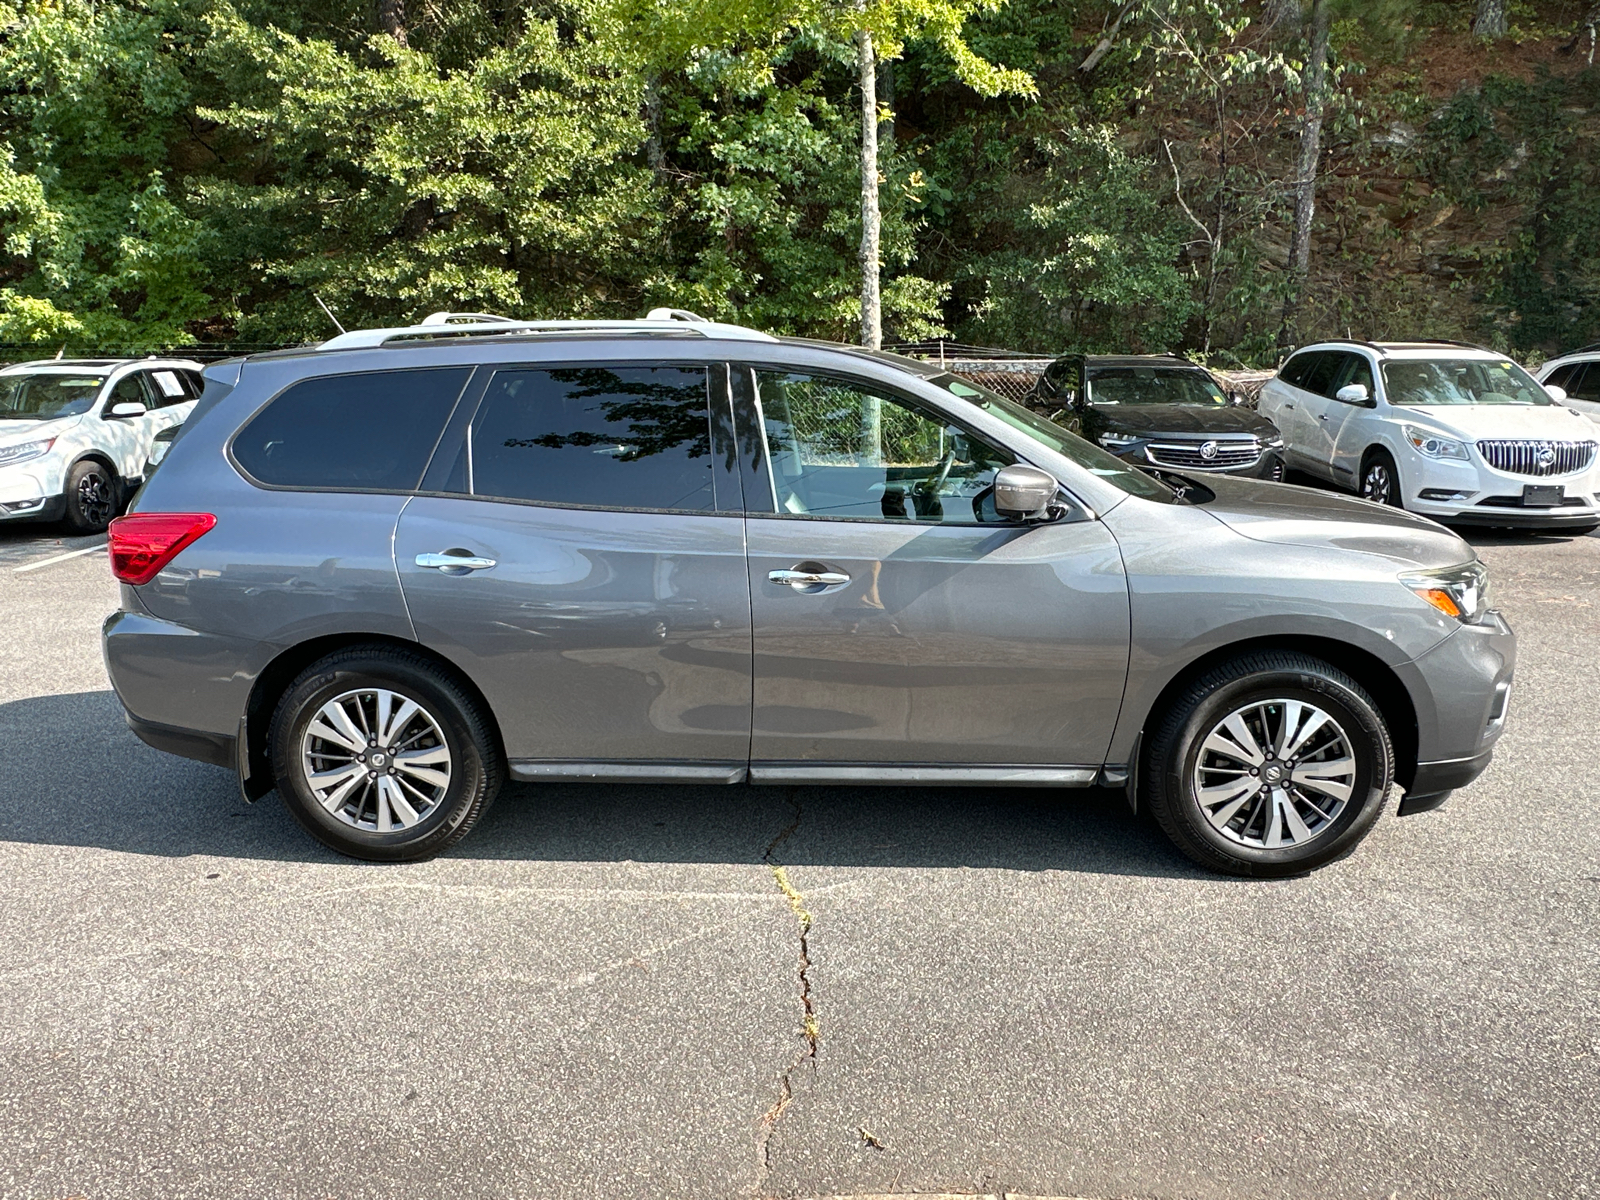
[
  {"x": 1375, "y": 676},
  {"x": 254, "y": 755}
]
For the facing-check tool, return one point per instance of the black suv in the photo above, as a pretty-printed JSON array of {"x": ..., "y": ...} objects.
[{"x": 1158, "y": 411}]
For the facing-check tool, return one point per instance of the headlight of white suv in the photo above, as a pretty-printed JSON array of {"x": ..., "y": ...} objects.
[
  {"x": 16, "y": 454},
  {"x": 1426, "y": 442},
  {"x": 1460, "y": 592}
]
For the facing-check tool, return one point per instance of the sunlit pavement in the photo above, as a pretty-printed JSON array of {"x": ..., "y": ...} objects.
[{"x": 600, "y": 993}]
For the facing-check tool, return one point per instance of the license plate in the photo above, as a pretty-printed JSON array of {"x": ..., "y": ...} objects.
[{"x": 1543, "y": 495}]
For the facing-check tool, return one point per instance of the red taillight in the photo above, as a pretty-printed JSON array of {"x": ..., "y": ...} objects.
[{"x": 143, "y": 543}]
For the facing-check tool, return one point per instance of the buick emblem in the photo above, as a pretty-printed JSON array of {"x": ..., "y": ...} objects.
[
  {"x": 1547, "y": 455},
  {"x": 1208, "y": 450}
]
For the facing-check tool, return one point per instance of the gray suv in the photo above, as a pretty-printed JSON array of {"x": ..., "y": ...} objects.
[{"x": 386, "y": 574}]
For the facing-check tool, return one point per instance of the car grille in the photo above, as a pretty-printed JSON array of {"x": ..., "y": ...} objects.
[
  {"x": 1537, "y": 458},
  {"x": 1226, "y": 454}
]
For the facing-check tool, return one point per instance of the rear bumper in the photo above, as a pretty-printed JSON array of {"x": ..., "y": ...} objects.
[{"x": 215, "y": 748}]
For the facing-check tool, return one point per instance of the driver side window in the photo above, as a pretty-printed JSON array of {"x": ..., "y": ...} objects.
[
  {"x": 128, "y": 390},
  {"x": 840, "y": 449}
]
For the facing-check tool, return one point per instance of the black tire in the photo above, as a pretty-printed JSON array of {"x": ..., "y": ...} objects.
[
  {"x": 1171, "y": 766},
  {"x": 475, "y": 769},
  {"x": 91, "y": 496},
  {"x": 1380, "y": 479}
]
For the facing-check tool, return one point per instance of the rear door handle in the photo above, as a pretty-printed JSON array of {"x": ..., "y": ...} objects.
[
  {"x": 454, "y": 562},
  {"x": 801, "y": 580},
  {"x": 1322, "y": 416},
  {"x": 1288, "y": 406}
]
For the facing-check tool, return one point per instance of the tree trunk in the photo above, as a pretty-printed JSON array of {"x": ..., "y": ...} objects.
[
  {"x": 392, "y": 19},
  {"x": 1305, "y": 199},
  {"x": 886, "y": 104},
  {"x": 871, "y": 303},
  {"x": 1491, "y": 19},
  {"x": 1109, "y": 38},
  {"x": 1282, "y": 16}
]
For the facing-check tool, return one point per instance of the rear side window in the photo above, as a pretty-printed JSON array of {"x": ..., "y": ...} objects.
[
  {"x": 174, "y": 386},
  {"x": 1584, "y": 382},
  {"x": 372, "y": 432},
  {"x": 1297, "y": 368},
  {"x": 596, "y": 436}
]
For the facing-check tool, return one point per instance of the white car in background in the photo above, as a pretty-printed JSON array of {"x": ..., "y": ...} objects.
[
  {"x": 75, "y": 433},
  {"x": 1454, "y": 432},
  {"x": 1578, "y": 376}
]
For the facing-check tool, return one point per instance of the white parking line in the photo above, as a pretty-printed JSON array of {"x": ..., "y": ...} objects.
[{"x": 59, "y": 558}]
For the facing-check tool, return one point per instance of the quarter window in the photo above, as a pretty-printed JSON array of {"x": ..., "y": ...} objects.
[
  {"x": 843, "y": 450},
  {"x": 370, "y": 432},
  {"x": 602, "y": 437}
]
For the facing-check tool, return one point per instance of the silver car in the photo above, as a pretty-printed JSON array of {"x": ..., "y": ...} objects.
[{"x": 387, "y": 574}]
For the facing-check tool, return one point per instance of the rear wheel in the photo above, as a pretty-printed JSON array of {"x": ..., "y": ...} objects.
[
  {"x": 1380, "y": 479},
  {"x": 91, "y": 497},
  {"x": 1268, "y": 765},
  {"x": 382, "y": 756}
]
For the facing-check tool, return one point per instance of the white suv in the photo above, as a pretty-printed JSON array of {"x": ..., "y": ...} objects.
[
  {"x": 1577, "y": 377},
  {"x": 75, "y": 433},
  {"x": 1450, "y": 431}
]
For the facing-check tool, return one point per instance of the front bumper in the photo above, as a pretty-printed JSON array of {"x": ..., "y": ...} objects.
[
  {"x": 1467, "y": 682},
  {"x": 1483, "y": 495},
  {"x": 27, "y": 494}
]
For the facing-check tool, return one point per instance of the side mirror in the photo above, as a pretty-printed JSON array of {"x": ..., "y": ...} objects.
[
  {"x": 1555, "y": 393},
  {"x": 1355, "y": 393},
  {"x": 1239, "y": 399},
  {"x": 1024, "y": 492},
  {"x": 128, "y": 408}
]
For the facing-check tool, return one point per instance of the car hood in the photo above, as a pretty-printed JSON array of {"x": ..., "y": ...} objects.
[
  {"x": 1513, "y": 422},
  {"x": 13, "y": 432},
  {"x": 1148, "y": 419},
  {"x": 1295, "y": 516}
]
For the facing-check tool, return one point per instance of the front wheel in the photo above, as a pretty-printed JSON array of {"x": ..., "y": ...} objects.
[
  {"x": 1268, "y": 765},
  {"x": 380, "y": 755},
  {"x": 1380, "y": 479},
  {"x": 91, "y": 497}
]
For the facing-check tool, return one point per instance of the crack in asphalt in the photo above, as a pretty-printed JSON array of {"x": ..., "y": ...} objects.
[{"x": 810, "y": 1028}]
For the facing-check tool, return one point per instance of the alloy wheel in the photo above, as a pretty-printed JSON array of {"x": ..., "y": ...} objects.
[
  {"x": 1377, "y": 484},
  {"x": 376, "y": 760},
  {"x": 94, "y": 498},
  {"x": 1274, "y": 774}
]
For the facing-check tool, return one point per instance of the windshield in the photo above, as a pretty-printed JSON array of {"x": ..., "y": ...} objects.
[
  {"x": 1091, "y": 458},
  {"x": 41, "y": 395},
  {"x": 1154, "y": 385},
  {"x": 1461, "y": 381}
]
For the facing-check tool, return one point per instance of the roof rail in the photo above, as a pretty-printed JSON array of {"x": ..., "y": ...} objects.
[
  {"x": 1580, "y": 350},
  {"x": 455, "y": 318},
  {"x": 460, "y": 325}
]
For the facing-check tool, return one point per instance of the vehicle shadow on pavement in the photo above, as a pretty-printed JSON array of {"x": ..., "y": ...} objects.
[{"x": 76, "y": 776}]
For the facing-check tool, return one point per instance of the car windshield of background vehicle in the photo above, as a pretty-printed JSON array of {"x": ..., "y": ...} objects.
[
  {"x": 1090, "y": 457},
  {"x": 45, "y": 395},
  {"x": 1154, "y": 385},
  {"x": 1461, "y": 381}
]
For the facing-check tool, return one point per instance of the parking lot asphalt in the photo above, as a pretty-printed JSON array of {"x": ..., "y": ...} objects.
[{"x": 604, "y": 992}]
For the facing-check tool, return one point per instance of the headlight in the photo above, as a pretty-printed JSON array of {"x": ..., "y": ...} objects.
[
  {"x": 1460, "y": 592},
  {"x": 1275, "y": 442},
  {"x": 1116, "y": 441},
  {"x": 1431, "y": 444},
  {"x": 22, "y": 453}
]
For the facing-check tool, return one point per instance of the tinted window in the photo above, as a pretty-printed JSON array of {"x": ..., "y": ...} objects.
[
  {"x": 607, "y": 437},
  {"x": 841, "y": 449},
  {"x": 371, "y": 432},
  {"x": 1560, "y": 376},
  {"x": 1321, "y": 376},
  {"x": 1585, "y": 384},
  {"x": 1295, "y": 370},
  {"x": 1356, "y": 369}
]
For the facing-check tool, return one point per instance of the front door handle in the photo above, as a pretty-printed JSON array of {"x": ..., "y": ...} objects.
[
  {"x": 801, "y": 580},
  {"x": 1288, "y": 406},
  {"x": 454, "y": 562}
]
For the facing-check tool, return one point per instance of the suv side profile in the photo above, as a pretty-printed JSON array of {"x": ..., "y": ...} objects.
[
  {"x": 75, "y": 433},
  {"x": 1159, "y": 411},
  {"x": 1454, "y": 432},
  {"x": 385, "y": 575}
]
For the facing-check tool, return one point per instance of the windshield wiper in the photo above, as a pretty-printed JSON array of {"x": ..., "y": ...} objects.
[{"x": 1185, "y": 489}]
